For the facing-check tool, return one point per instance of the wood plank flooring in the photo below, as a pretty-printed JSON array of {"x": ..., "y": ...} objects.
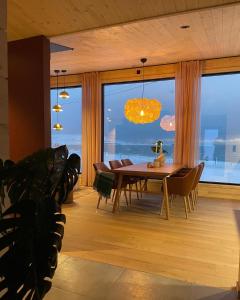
[{"x": 203, "y": 249}]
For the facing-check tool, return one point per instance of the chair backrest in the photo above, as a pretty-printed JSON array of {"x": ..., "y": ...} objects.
[
  {"x": 101, "y": 167},
  {"x": 114, "y": 164},
  {"x": 198, "y": 175},
  {"x": 182, "y": 185},
  {"x": 126, "y": 162}
]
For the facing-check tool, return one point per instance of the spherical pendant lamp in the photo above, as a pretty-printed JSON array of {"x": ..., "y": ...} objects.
[
  {"x": 168, "y": 123},
  {"x": 142, "y": 110}
]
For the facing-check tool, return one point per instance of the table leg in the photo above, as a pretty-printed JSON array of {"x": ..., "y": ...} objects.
[
  {"x": 118, "y": 192},
  {"x": 165, "y": 197}
]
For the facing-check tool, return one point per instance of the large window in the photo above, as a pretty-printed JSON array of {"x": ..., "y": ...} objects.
[
  {"x": 123, "y": 139},
  {"x": 220, "y": 128},
  {"x": 71, "y": 120}
]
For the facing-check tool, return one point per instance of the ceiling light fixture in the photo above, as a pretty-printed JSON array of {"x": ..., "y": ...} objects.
[
  {"x": 57, "y": 127},
  {"x": 57, "y": 107},
  {"x": 168, "y": 123},
  {"x": 185, "y": 26},
  {"x": 64, "y": 94},
  {"x": 142, "y": 110}
]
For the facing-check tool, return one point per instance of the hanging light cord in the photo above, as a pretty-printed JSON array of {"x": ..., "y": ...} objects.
[
  {"x": 57, "y": 88},
  {"x": 57, "y": 96},
  {"x": 64, "y": 83},
  {"x": 143, "y": 80}
]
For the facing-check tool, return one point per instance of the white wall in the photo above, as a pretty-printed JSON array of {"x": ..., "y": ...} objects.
[{"x": 4, "y": 142}]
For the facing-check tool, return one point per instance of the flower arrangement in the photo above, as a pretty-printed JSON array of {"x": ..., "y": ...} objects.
[{"x": 157, "y": 148}]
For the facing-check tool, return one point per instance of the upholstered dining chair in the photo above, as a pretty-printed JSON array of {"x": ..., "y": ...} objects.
[
  {"x": 143, "y": 186},
  {"x": 126, "y": 162},
  {"x": 115, "y": 164},
  {"x": 100, "y": 166},
  {"x": 194, "y": 193},
  {"x": 182, "y": 186}
]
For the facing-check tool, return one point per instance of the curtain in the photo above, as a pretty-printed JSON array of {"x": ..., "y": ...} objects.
[
  {"x": 91, "y": 125},
  {"x": 187, "y": 106}
]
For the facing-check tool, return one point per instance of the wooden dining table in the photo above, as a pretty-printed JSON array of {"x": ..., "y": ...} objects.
[{"x": 142, "y": 170}]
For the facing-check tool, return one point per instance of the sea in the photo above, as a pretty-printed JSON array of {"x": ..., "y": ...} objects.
[{"x": 216, "y": 170}]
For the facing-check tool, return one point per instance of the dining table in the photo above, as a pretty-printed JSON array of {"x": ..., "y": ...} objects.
[{"x": 142, "y": 170}]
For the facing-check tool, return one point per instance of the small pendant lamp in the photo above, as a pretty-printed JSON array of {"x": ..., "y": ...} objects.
[
  {"x": 57, "y": 107},
  {"x": 64, "y": 94}
]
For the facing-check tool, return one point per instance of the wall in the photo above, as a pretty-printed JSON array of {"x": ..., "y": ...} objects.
[
  {"x": 4, "y": 141},
  {"x": 29, "y": 96}
]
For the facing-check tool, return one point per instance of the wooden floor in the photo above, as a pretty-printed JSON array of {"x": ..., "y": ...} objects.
[{"x": 203, "y": 249}]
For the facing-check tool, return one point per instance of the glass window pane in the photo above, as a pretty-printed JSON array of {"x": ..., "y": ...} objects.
[
  {"x": 220, "y": 128},
  {"x": 71, "y": 120},
  {"x": 123, "y": 139}
]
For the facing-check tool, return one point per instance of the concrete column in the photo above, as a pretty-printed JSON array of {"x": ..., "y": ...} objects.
[{"x": 4, "y": 138}]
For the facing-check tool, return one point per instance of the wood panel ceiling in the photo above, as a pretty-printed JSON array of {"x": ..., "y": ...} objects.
[
  {"x": 54, "y": 17},
  {"x": 213, "y": 33}
]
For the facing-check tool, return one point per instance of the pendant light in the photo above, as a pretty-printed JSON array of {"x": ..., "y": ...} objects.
[
  {"x": 64, "y": 94},
  {"x": 57, "y": 127},
  {"x": 168, "y": 123},
  {"x": 142, "y": 110},
  {"x": 57, "y": 107}
]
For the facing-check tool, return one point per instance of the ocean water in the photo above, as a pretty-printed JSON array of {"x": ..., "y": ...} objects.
[{"x": 215, "y": 170}]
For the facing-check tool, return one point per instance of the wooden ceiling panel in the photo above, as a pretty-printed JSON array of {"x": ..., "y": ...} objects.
[
  {"x": 28, "y": 18},
  {"x": 213, "y": 33}
]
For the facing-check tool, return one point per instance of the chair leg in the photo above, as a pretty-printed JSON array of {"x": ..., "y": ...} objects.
[
  {"x": 130, "y": 194},
  {"x": 145, "y": 185},
  {"x": 171, "y": 200},
  {"x": 99, "y": 199},
  {"x": 196, "y": 196},
  {"x": 189, "y": 204},
  {"x": 162, "y": 206},
  {"x": 125, "y": 194},
  {"x": 114, "y": 191},
  {"x": 186, "y": 206},
  {"x": 193, "y": 200},
  {"x": 140, "y": 188},
  {"x": 137, "y": 190}
]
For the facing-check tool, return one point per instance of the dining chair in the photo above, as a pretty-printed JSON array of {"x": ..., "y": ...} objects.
[
  {"x": 115, "y": 164},
  {"x": 194, "y": 192},
  {"x": 182, "y": 186},
  {"x": 100, "y": 166},
  {"x": 126, "y": 162},
  {"x": 143, "y": 186}
]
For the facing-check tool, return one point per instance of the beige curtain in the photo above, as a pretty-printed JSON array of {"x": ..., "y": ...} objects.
[
  {"x": 187, "y": 106},
  {"x": 91, "y": 125}
]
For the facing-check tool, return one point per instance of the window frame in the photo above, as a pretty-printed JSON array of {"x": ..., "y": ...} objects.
[
  {"x": 61, "y": 87},
  {"x": 209, "y": 75},
  {"x": 102, "y": 102}
]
